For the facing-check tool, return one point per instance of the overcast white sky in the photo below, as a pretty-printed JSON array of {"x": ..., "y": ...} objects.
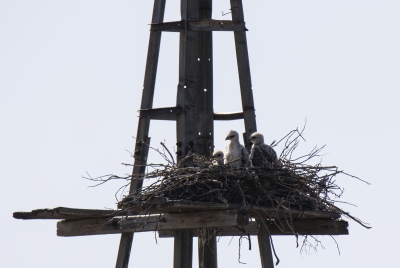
[{"x": 71, "y": 75}]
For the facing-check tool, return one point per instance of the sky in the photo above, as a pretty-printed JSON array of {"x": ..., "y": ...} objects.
[{"x": 71, "y": 75}]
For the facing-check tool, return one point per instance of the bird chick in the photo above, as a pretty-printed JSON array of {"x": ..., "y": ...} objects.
[
  {"x": 261, "y": 155},
  {"x": 218, "y": 158},
  {"x": 236, "y": 155}
]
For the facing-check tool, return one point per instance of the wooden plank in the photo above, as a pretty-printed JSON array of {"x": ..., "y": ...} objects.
[
  {"x": 181, "y": 206},
  {"x": 171, "y": 26},
  {"x": 302, "y": 227},
  {"x": 167, "y": 221},
  {"x": 66, "y": 213},
  {"x": 144, "y": 122},
  {"x": 217, "y": 25},
  {"x": 243, "y": 64},
  {"x": 165, "y": 117},
  {"x": 160, "y": 111},
  {"x": 167, "y": 113},
  {"x": 200, "y": 219},
  {"x": 228, "y": 116},
  {"x": 264, "y": 245},
  {"x": 98, "y": 226},
  {"x": 208, "y": 25},
  {"x": 223, "y": 220}
]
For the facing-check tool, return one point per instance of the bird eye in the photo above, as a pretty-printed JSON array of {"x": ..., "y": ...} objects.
[
  {"x": 231, "y": 136},
  {"x": 253, "y": 138}
]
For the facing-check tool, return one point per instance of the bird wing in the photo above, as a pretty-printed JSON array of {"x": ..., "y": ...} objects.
[
  {"x": 227, "y": 155},
  {"x": 244, "y": 156},
  {"x": 257, "y": 157},
  {"x": 269, "y": 155}
]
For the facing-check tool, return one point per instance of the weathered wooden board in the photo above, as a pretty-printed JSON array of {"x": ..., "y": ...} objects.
[
  {"x": 204, "y": 108},
  {"x": 207, "y": 247},
  {"x": 217, "y": 25},
  {"x": 228, "y": 116},
  {"x": 183, "y": 248},
  {"x": 166, "y": 207},
  {"x": 180, "y": 206},
  {"x": 302, "y": 227},
  {"x": 243, "y": 64},
  {"x": 67, "y": 213},
  {"x": 186, "y": 133},
  {"x": 105, "y": 226},
  {"x": 142, "y": 136},
  {"x": 160, "y": 111},
  {"x": 167, "y": 221},
  {"x": 204, "y": 25},
  {"x": 165, "y": 113},
  {"x": 264, "y": 244}
]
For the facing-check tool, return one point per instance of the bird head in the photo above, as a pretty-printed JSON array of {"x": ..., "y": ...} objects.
[
  {"x": 256, "y": 138},
  {"x": 218, "y": 154},
  {"x": 232, "y": 136}
]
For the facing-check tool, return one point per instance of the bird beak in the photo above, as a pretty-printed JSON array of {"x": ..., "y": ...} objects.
[{"x": 226, "y": 138}]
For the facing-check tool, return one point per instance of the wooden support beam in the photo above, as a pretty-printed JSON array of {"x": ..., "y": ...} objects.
[
  {"x": 243, "y": 64},
  {"x": 228, "y": 116},
  {"x": 207, "y": 246},
  {"x": 67, "y": 213},
  {"x": 167, "y": 221},
  {"x": 186, "y": 121},
  {"x": 264, "y": 245},
  {"x": 170, "y": 26},
  {"x": 160, "y": 205},
  {"x": 188, "y": 82},
  {"x": 124, "y": 252},
  {"x": 207, "y": 25},
  {"x": 302, "y": 227},
  {"x": 141, "y": 152},
  {"x": 217, "y": 25},
  {"x": 166, "y": 113},
  {"x": 204, "y": 93},
  {"x": 183, "y": 248},
  {"x": 181, "y": 206}
]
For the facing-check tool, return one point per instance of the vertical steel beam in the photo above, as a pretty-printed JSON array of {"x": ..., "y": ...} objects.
[
  {"x": 243, "y": 63},
  {"x": 142, "y": 139}
]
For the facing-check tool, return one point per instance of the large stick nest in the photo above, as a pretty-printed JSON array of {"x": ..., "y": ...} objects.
[{"x": 291, "y": 184}]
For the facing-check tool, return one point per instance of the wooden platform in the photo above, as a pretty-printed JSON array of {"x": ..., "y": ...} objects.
[{"x": 168, "y": 216}]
